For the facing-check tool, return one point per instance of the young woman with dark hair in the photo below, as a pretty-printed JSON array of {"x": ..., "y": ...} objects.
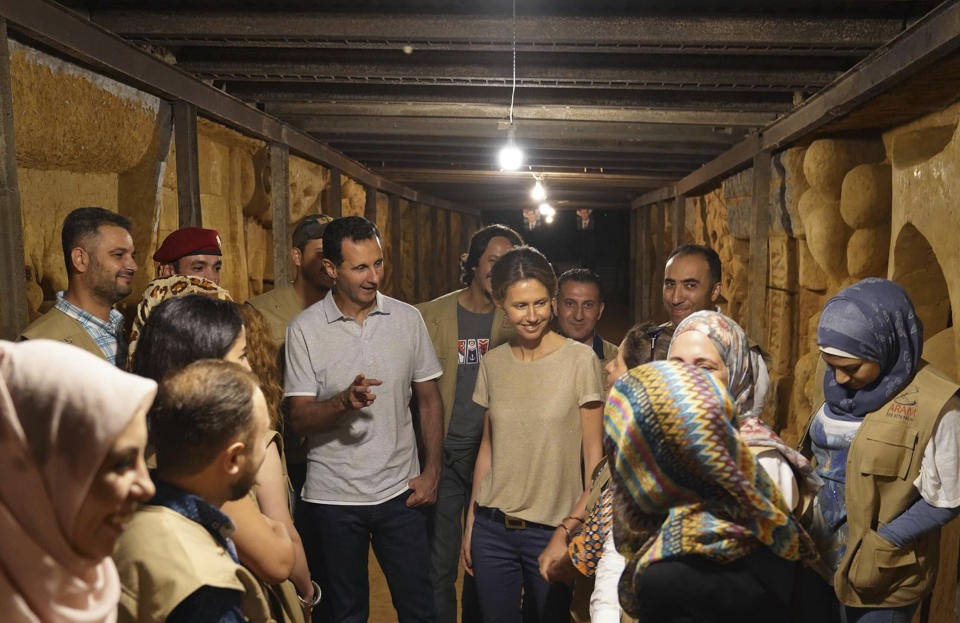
[{"x": 542, "y": 394}]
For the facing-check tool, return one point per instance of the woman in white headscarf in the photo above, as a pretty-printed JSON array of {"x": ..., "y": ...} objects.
[{"x": 72, "y": 433}]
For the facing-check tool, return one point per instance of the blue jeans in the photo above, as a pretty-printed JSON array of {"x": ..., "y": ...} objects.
[
  {"x": 343, "y": 535},
  {"x": 508, "y": 576},
  {"x": 903, "y": 614},
  {"x": 446, "y": 532}
]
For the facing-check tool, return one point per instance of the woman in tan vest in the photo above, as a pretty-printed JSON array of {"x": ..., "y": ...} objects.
[{"x": 897, "y": 420}]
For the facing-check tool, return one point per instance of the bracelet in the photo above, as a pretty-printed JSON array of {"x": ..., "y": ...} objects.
[{"x": 316, "y": 597}]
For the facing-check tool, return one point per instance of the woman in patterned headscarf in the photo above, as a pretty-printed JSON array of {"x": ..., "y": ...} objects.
[
  {"x": 706, "y": 533},
  {"x": 714, "y": 342},
  {"x": 898, "y": 420}
]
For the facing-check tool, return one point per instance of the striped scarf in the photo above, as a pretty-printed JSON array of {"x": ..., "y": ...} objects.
[{"x": 683, "y": 480}]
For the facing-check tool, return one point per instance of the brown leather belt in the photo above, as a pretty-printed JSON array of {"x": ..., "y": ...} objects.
[{"x": 510, "y": 523}]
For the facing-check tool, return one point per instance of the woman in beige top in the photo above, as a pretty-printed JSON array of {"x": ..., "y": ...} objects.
[{"x": 543, "y": 398}]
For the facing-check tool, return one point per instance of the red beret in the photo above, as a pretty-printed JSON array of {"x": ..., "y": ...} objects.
[{"x": 188, "y": 241}]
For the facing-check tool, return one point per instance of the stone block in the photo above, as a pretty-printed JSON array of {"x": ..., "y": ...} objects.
[
  {"x": 867, "y": 252},
  {"x": 787, "y": 186},
  {"x": 827, "y": 161},
  {"x": 307, "y": 181},
  {"x": 800, "y": 404},
  {"x": 865, "y": 196},
  {"x": 783, "y": 261},
  {"x": 826, "y": 232},
  {"x": 353, "y": 197},
  {"x": 739, "y": 185},
  {"x": 780, "y": 331},
  {"x": 810, "y": 275},
  {"x": 739, "y": 217}
]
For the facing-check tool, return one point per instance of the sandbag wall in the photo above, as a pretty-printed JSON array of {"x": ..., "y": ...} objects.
[{"x": 85, "y": 140}]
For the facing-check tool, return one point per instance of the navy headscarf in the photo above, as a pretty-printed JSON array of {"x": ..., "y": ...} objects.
[{"x": 873, "y": 320}]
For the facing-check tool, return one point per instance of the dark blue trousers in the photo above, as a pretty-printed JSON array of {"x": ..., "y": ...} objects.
[
  {"x": 343, "y": 535},
  {"x": 508, "y": 576}
]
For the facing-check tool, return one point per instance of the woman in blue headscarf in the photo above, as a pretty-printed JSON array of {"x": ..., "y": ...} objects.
[{"x": 897, "y": 419}]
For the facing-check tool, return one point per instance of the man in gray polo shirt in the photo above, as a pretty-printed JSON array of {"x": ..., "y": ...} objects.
[{"x": 353, "y": 362}]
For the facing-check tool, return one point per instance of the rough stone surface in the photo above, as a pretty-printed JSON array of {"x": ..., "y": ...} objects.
[
  {"x": 867, "y": 252},
  {"x": 827, "y": 161},
  {"x": 826, "y": 232},
  {"x": 783, "y": 261},
  {"x": 307, "y": 181},
  {"x": 353, "y": 197},
  {"x": 787, "y": 186},
  {"x": 810, "y": 275},
  {"x": 865, "y": 196}
]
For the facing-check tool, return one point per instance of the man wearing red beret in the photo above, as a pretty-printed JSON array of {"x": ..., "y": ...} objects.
[{"x": 191, "y": 251}]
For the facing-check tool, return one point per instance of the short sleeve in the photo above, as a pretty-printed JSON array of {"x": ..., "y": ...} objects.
[
  {"x": 426, "y": 366},
  {"x": 939, "y": 479},
  {"x": 588, "y": 379},
  {"x": 780, "y": 472},
  {"x": 480, "y": 394},
  {"x": 299, "y": 377}
]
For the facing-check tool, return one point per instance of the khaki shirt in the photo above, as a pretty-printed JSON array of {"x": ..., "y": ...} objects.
[{"x": 278, "y": 306}]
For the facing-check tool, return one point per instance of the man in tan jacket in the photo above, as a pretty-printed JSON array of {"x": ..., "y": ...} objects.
[
  {"x": 176, "y": 559},
  {"x": 463, "y": 325},
  {"x": 98, "y": 252}
]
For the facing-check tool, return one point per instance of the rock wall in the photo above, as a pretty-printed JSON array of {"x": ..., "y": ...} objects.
[{"x": 85, "y": 140}]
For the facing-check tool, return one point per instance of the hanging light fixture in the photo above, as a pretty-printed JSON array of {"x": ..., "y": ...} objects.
[
  {"x": 548, "y": 219},
  {"x": 511, "y": 157},
  {"x": 538, "y": 192},
  {"x": 546, "y": 209}
]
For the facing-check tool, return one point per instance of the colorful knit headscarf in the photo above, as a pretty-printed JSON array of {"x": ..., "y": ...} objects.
[{"x": 683, "y": 481}]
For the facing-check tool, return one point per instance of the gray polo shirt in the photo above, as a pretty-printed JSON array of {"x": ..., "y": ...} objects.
[{"x": 372, "y": 454}]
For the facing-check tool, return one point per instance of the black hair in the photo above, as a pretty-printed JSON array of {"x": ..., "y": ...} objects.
[
  {"x": 310, "y": 227},
  {"x": 580, "y": 275},
  {"x": 356, "y": 228},
  {"x": 708, "y": 254},
  {"x": 182, "y": 330},
  {"x": 83, "y": 223},
  {"x": 199, "y": 409},
  {"x": 478, "y": 245},
  {"x": 521, "y": 263}
]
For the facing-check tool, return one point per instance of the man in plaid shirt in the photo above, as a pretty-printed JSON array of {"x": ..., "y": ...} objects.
[{"x": 98, "y": 252}]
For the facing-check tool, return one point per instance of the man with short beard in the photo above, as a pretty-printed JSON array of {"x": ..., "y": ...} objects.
[
  {"x": 176, "y": 560},
  {"x": 463, "y": 325},
  {"x": 310, "y": 283},
  {"x": 98, "y": 252}
]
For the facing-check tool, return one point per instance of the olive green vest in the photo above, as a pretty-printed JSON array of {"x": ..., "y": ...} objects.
[
  {"x": 883, "y": 462},
  {"x": 56, "y": 325},
  {"x": 164, "y": 557}
]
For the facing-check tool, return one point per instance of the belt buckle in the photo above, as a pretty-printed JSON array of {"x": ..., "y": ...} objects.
[{"x": 514, "y": 523}]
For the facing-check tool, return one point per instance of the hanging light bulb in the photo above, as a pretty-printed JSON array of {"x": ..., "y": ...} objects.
[
  {"x": 547, "y": 210},
  {"x": 511, "y": 157},
  {"x": 548, "y": 218},
  {"x": 538, "y": 192}
]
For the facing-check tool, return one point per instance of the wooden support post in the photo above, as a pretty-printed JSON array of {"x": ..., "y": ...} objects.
[
  {"x": 188, "y": 169},
  {"x": 280, "y": 205},
  {"x": 659, "y": 259},
  {"x": 331, "y": 195},
  {"x": 13, "y": 309},
  {"x": 644, "y": 264},
  {"x": 433, "y": 264},
  {"x": 757, "y": 272},
  {"x": 418, "y": 259},
  {"x": 370, "y": 206},
  {"x": 396, "y": 255},
  {"x": 633, "y": 295},
  {"x": 678, "y": 218}
]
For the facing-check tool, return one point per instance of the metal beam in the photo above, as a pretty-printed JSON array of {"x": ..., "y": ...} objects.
[
  {"x": 280, "y": 207},
  {"x": 343, "y": 127},
  {"x": 188, "y": 168},
  {"x": 623, "y": 146},
  {"x": 553, "y": 76},
  {"x": 459, "y": 110},
  {"x": 67, "y": 31},
  {"x": 585, "y": 180},
  {"x": 699, "y": 33},
  {"x": 332, "y": 204},
  {"x": 13, "y": 310},
  {"x": 927, "y": 40}
]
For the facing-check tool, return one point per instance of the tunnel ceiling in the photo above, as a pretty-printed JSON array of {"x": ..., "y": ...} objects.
[{"x": 612, "y": 98}]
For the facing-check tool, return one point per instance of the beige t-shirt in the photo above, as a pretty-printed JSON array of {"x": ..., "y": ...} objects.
[{"x": 535, "y": 429}]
